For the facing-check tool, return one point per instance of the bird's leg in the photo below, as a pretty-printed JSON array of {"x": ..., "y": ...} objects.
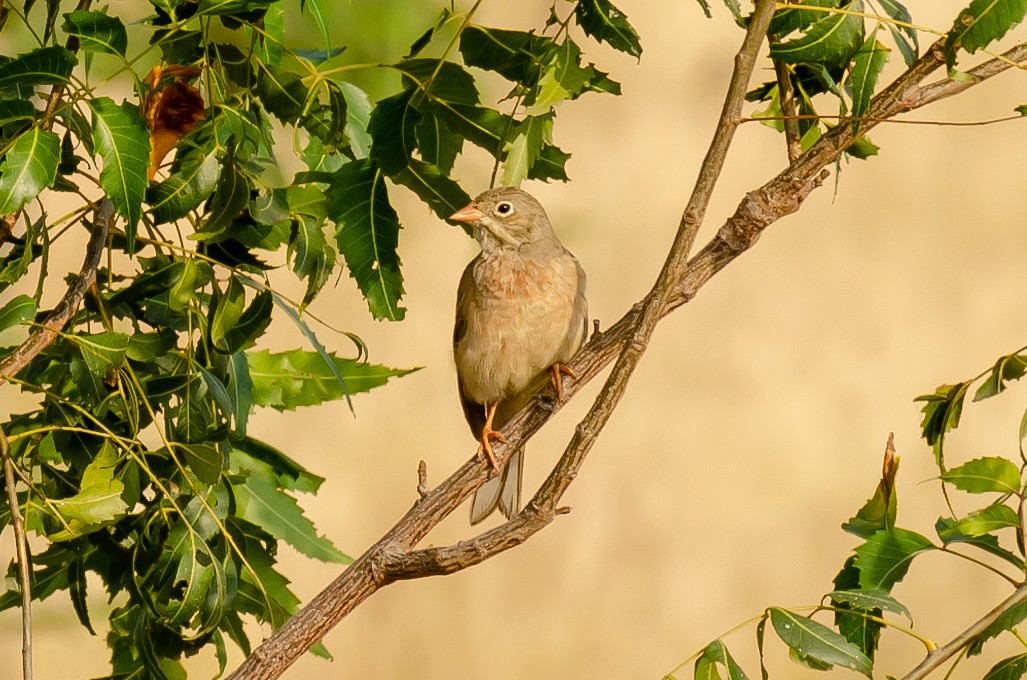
[
  {"x": 488, "y": 434},
  {"x": 556, "y": 373}
]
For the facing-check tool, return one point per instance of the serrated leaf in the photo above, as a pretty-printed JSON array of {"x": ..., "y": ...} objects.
[
  {"x": 550, "y": 164},
  {"x": 604, "y": 22},
  {"x": 986, "y": 474},
  {"x": 813, "y": 640},
  {"x": 392, "y": 128},
  {"x": 251, "y": 454},
  {"x": 232, "y": 6},
  {"x": 226, "y": 308},
  {"x": 905, "y": 37},
  {"x": 1007, "y": 368},
  {"x": 251, "y": 324},
  {"x": 44, "y": 66},
  {"x": 276, "y": 512},
  {"x": 287, "y": 380},
  {"x": 204, "y": 460},
  {"x": 29, "y": 166},
  {"x": 866, "y": 67},
  {"x": 795, "y": 18},
  {"x": 442, "y": 81},
  {"x": 240, "y": 390},
  {"x": 99, "y": 500},
  {"x": 102, "y": 351},
  {"x": 885, "y": 557},
  {"x": 18, "y": 310},
  {"x": 982, "y": 22},
  {"x": 1007, "y": 620},
  {"x": 870, "y": 599},
  {"x": 530, "y": 138},
  {"x": 150, "y": 346},
  {"x": 980, "y": 523},
  {"x": 716, "y": 653},
  {"x": 850, "y": 619},
  {"x": 189, "y": 185},
  {"x": 281, "y": 92},
  {"x": 1013, "y": 668},
  {"x": 436, "y": 142},
  {"x": 358, "y": 113},
  {"x": 941, "y": 413},
  {"x": 97, "y": 32},
  {"x": 442, "y": 194},
  {"x": 830, "y": 41},
  {"x": 122, "y": 141},
  {"x": 367, "y": 234},
  {"x": 518, "y": 56},
  {"x": 227, "y": 202}
]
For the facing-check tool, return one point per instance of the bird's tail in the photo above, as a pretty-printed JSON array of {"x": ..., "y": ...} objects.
[{"x": 502, "y": 491}]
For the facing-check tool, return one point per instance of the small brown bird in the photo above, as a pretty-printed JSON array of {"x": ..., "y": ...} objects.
[{"x": 520, "y": 316}]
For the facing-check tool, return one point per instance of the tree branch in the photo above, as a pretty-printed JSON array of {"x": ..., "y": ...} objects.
[
  {"x": 22, "y": 552},
  {"x": 393, "y": 557},
  {"x": 45, "y": 333},
  {"x": 942, "y": 654}
]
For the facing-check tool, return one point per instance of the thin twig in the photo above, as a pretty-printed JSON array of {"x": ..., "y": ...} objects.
[
  {"x": 22, "y": 551},
  {"x": 942, "y": 654},
  {"x": 786, "y": 95},
  {"x": 46, "y": 332}
]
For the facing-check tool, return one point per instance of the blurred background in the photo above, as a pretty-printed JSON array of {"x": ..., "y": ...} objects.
[{"x": 753, "y": 428}]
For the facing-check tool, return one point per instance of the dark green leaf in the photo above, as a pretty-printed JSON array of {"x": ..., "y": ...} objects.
[
  {"x": 604, "y": 22},
  {"x": 1007, "y": 620},
  {"x": 229, "y": 200},
  {"x": 18, "y": 310},
  {"x": 885, "y": 558},
  {"x": 905, "y": 36},
  {"x": 121, "y": 139},
  {"x": 982, "y": 22},
  {"x": 1013, "y": 668},
  {"x": 367, "y": 234},
  {"x": 987, "y": 542},
  {"x": 871, "y": 599},
  {"x": 281, "y": 92},
  {"x": 102, "y": 351},
  {"x": 983, "y": 475},
  {"x": 286, "y": 380},
  {"x": 483, "y": 127},
  {"x": 44, "y": 66},
  {"x": 795, "y": 18},
  {"x": 715, "y": 654},
  {"x": 204, "y": 460},
  {"x": 829, "y": 41},
  {"x": 1007, "y": 368},
  {"x": 232, "y": 6},
  {"x": 443, "y": 195},
  {"x": 392, "y": 127},
  {"x": 866, "y": 67},
  {"x": 550, "y": 164},
  {"x": 812, "y": 640},
  {"x": 194, "y": 275},
  {"x": 276, "y": 512},
  {"x": 852, "y": 620},
  {"x": 251, "y": 325},
  {"x": 29, "y": 166},
  {"x": 150, "y": 346},
  {"x": 190, "y": 183},
  {"x": 441, "y": 80},
  {"x": 313, "y": 258},
  {"x": 240, "y": 390},
  {"x": 436, "y": 142},
  {"x": 97, "y": 32},
  {"x": 226, "y": 309},
  {"x": 941, "y": 413},
  {"x": 251, "y": 454},
  {"x": 518, "y": 56},
  {"x": 16, "y": 115}
]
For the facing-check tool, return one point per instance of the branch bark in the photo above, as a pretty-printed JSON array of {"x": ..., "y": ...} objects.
[
  {"x": 22, "y": 553},
  {"x": 394, "y": 557},
  {"x": 46, "y": 332}
]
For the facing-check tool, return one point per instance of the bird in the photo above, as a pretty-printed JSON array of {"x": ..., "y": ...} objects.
[{"x": 521, "y": 314}]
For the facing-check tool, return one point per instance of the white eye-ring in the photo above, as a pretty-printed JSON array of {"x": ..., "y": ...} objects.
[{"x": 504, "y": 208}]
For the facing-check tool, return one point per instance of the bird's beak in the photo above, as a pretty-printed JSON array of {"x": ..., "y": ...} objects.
[{"x": 469, "y": 213}]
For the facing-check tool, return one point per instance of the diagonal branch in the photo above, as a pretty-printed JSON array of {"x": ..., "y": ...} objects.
[
  {"x": 46, "y": 332},
  {"x": 394, "y": 558}
]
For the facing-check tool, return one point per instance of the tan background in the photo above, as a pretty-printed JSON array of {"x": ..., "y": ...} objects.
[{"x": 753, "y": 427}]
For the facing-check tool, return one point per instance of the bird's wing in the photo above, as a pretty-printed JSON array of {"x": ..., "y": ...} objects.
[{"x": 473, "y": 412}]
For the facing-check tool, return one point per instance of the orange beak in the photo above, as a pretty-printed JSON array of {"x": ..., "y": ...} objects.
[{"x": 469, "y": 213}]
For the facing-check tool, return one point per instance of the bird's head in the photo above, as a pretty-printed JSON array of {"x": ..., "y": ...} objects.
[{"x": 506, "y": 218}]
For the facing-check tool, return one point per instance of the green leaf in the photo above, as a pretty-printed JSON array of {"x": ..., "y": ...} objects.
[
  {"x": 18, "y": 310},
  {"x": 229, "y": 200},
  {"x": 240, "y": 391},
  {"x": 604, "y": 22},
  {"x": 16, "y": 115},
  {"x": 29, "y": 166},
  {"x": 518, "y": 56},
  {"x": 286, "y": 380},
  {"x": 251, "y": 325},
  {"x": 987, "y": 542},
  {"x": 150, "y": 346},
  {"x": 885, "y": 557},
  {"x": 99, "y": 500},
  {"x": 204, "y": 460},
  {"x": 812, "y": 640},
  {"x": 320, "y": 15},
  {"x": 830, "y": 41},
  {"x": 44, "y": 66},
  {"x": 97, "y": 32},
  {"x": 866, "y": 67},
  {"x": 983, "y": 475},
  {"x": 121, "y": 139},
  {"x": 358, "y": 114},
  {"x": 851, "y": 619},
  {"x": 979, "y": 523},
  {"x": 905, "y": 36},
  {"x": 253, "y": 455},
  {"x": 441, "y": 81},
  {"x": 392, "y": 127},
  {"x": 565, "y": 78},
  {"x": 941, "y": 413},
  {"x": 367, "y": 234},
  {"x": 276, "y": 512},
  {"x": 550, "y": 164},
  {"x": 715, "y": 654},
  {"x": 442, "y": 194},
  {"x": 436, "y": 142},
  {"x": 982, "y": 22},
  {"x": 881, "y": 509},
  {"x": 281, "y": 92},
  {"x": 795, "y": 18},
  {"x": 1007, "y": 368},
  {"x": 870, "y": 599},
  {"x": 313, "y": 258},
  {"x": 531, "y": 136},
  {"x": 1007, "y": 620},
  {"x": 190, "y": 183},
  {"x": 1013, "y": 668},
  {"x": 102, "y": 351},
  {"x": 232, "y": 6},
  {"x": 226, "y": 309}
]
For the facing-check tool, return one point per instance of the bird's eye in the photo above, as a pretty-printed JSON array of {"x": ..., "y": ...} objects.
[{"x": 505, "y": 208}]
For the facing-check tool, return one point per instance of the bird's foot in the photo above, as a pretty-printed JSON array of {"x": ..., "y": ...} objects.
[
  {"x": 556, "y": 373},
  {"x": 488, "y": 435}
]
